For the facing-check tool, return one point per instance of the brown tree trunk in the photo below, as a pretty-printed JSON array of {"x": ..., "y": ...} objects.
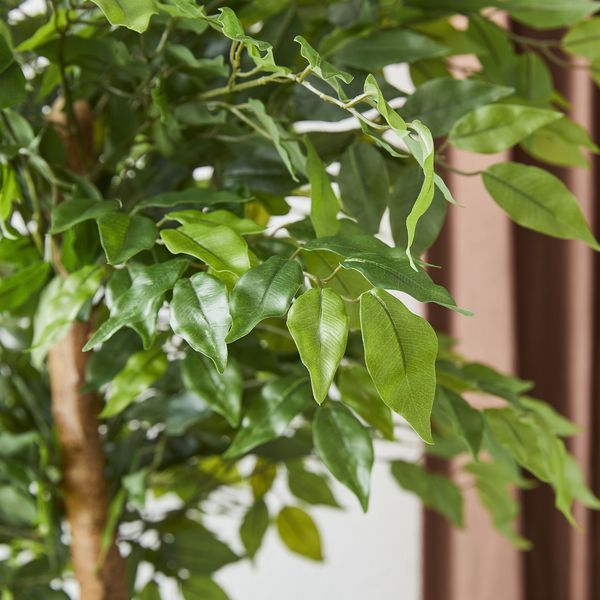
[{"x": 76, "y": 418}]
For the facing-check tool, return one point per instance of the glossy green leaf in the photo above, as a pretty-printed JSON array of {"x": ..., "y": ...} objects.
[
  {"x": 197, "y": 586},
  {"x": 436, "y": 492},
  {"x": 123, "y": 236},
  {"x": 364, "y": 185},
  {"x": 148, "y": 287},
  {"x": 496, "y": 127},
  {"x": 358, "y": 392},
  {"x": 194, "y": 195},
  {"x": 264, "y": 291},
  {"x": 217, "y": 217},
  {"x": 392, "y": 118},
  {"x": 200, "y": 315},
  {"x": 384, "y": 267},
  {"x": 324, "y": 205},
  {"x": 379, "y": 49},
  {"x": 439, "y": 103},
  {"x": 310, "y": 487},
  {"x": 18, "y": 287},
  {"x": 400, "y": 352},
  {"x": 133, "y": 14},
  {"x": 345, "y": 447},
  {"x": 269, "y": 413},
  {"x": 59, "y": 305},
  {"x": 221, "y": 391},
  {"x": 319, "y": 325},
  {"x": 219, "y": 247},
  {"x": 76, "y": 210},
  {"x": 538, "y": 200},
  {"x": 299, "y": 533},
  {"x": 139, "y": 373},
  {"x": 254, "y": 526},
  {"x": 551, "y": 14}
]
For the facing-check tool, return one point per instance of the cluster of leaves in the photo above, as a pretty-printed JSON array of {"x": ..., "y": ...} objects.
[{"x": 235, "y": 339}]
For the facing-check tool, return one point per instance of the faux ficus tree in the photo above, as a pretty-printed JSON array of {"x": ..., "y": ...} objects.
[{"x": 167, "y": 325}]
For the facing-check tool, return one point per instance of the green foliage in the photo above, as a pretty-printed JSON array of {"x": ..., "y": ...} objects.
[{"x": 215, "y": 308}]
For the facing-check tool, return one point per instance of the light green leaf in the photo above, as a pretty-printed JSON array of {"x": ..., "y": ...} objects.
[
  {"x": 123, "y": 236},
  {"x": 358, "y": 392},
  {"x": 550, "y": 14},
  {"x": 216, "y": 217},
  {"x": 345, "y": 447},
  {"x": 254, "y": 527},
  {"x": 76, "y": 210},
  {"x": 264, "y": 291},
  {"x": 496, "y": 127},
  {"x": 494, "y": 482},
  {"x": 200, "y": 315},
  {"x": 384, "y": 267},
  {"x": 538, "y": 200},
  {"x": 364, "y": 185},
  {"x": 198, "y": 586},
  {"x": 375, "y": 50},
  {"x": 139, "y": 373},
  {"x": 299, "y": 532},
  {"x": 20, "y": 286},
  {"x": 319, "y": 325},
  {"x": 194, "y": 195},
  {"x": 219, "y": 247},
  {"x": 147, "y": 289},
  {"x": 59, "y": 305},
  {"x": 269, "y": 413},
  {"x": 133, "y": 14},
  {"x": 400, "y": 352},
  {"x": 324, "y": 205},
  {"x": 584, "y": 39},
  {"x": 392, "y": 118},
  {"x": 441, "y": 102},
  {"x": 221, "y": 391},
  {"x": 151, "y": 591},
  {"x": 310, "y": 487},
  {"x": 436, "y": 492},
  {"x": 9, "y": 193}
]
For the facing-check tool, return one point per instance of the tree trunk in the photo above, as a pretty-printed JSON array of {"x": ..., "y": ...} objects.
[{"x": 76, "y": 417}]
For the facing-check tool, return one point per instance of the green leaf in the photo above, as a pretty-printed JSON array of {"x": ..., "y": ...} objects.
[
  {"x": 299, "y": 532},
  {"x": 400, "y": 352},
  {"x": 496, "y": 127},
  {"x": 364, "y": 185},
  {"x": 221, "y": 391},
  {"x": 139, "y": 373},
  {"x": 9, "y": 193},
  {"x": 58, "y": 307},
  {"x": 151, "y": 591},
  {"x": 377, "y": 99},
  {"x": 322, "y": 68},
  {"x": 550, "y": 14},
  {"x": 378, "y": 49},
  {"x": 254, "y": 527},
  {"x": 441, "y": 102},
  {"x": 269, "y": 413},
  {"x": 133, "y": 14},
  {"x": 494, "y": 482},
  {"x": 560, "y": 143},
  {"x": 219, "y": 247},
  {"x": 450, "y": 409},
  {"x": 76, "y": 210},
  {"x": 583, "y": 39},
  {"x": 436, "y": 492},
  {"x": 324, "y": 205},
  {"x": 285, "y": 149},
  {"x": 264, "y": 291},
  {"x": 319, "y": 325},
  {"x": 20, "y": 286},
  {"x": 194, "y": 195},
  {"x": 197, "y": 586},
  {"x": 12, "y": 80},
  {"x": 200, "y": 315},
  {"x": 123, "y": 236},
  {"x": 147, "y": 289},
  {"x": 384, "y": 267},
  {"x": 538, "y": 200},
  {"x": 345, "y": 447},
  {"x": 310, "y": 487},
  {"x": 216, "y": 217},
  {"x": 359, "y": 393}
]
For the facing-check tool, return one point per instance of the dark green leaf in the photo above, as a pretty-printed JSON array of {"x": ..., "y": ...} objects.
[
  {"x": 76, "y": 210},
  {"x": 18, "y": 287},
  {"x": 195, "y": 195},
  {"x": 197, "y": 587},
  {"x": 254, "y": 527},
  {"x": 310, "y": 487},
  {"x": 123, "y": 236}
]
